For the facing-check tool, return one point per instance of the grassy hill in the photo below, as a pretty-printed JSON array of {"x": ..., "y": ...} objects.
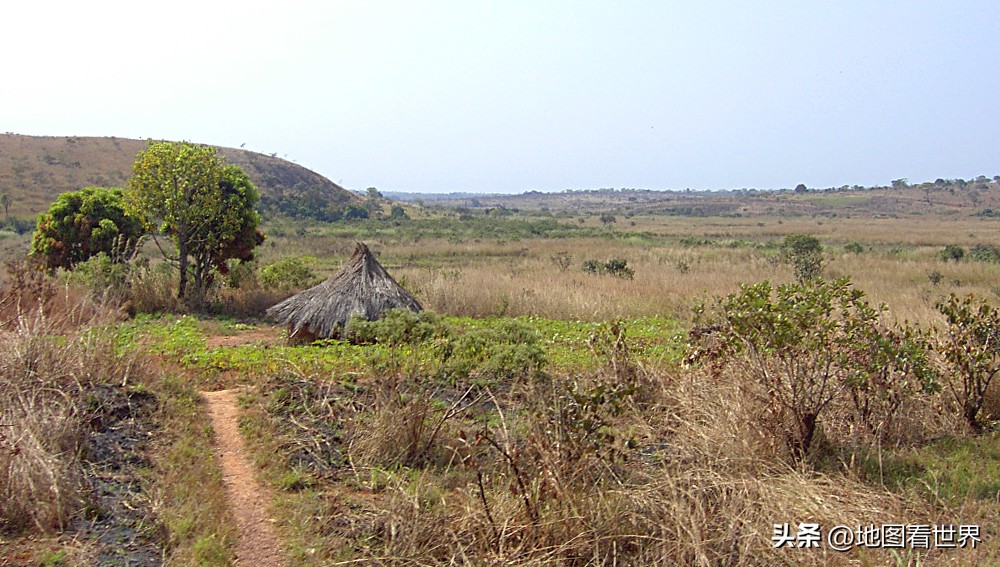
[
  {"x": 940, "y": 198},
  {"x": 35, "y": 169}
]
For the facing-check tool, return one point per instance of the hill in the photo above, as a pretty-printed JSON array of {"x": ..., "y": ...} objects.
[
  {"x": 941, "y": 198},
  {"x": 35, "y": 169}
]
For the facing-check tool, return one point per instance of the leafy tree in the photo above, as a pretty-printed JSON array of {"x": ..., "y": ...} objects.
[
  {"x": 81, "y": 224},
  {"x": 805, "y": 254},
  {"x": 971, "y": 348},
  {"x": 5, "y": 202},
  {"x": 205, "y": 206}
]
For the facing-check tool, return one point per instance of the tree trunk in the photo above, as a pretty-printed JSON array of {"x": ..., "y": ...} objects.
[
  {"x": 182, "y": 250},
  {"x": 807, "y": 430}
]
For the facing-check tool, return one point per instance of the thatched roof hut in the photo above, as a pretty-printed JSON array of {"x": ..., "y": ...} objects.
[{"x": 361, "y": 288}]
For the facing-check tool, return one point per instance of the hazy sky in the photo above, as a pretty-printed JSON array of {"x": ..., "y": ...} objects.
[{"x": 439, "y": 96}]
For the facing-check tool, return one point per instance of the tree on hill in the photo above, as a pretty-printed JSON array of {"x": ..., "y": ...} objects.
[
  {"x": 5, "y": 202},
  {"x": 84, "y": 223},
  {"x": 205, "y": 206}
]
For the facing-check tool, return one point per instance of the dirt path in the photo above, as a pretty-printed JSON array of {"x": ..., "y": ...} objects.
[{"x": 258, "y": 543}]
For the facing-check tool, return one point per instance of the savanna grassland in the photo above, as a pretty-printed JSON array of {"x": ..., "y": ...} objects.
[{"x": 549, "y": 407}]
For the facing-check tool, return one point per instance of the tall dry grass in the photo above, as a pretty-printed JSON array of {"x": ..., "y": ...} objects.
[
  {"x": 51, "y": 359},
  {"x": 705, "y": 485},
  {"x": 525, "y": 278}
]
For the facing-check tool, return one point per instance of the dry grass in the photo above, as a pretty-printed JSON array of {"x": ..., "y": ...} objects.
[
  {"x": 705, "y": 488},
  {"x": 524, "y": 278},
  {"x": 435, "y": 475},
  {"x": 44, "y": 418}
]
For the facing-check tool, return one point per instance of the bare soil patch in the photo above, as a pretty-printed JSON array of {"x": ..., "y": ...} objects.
[{"x": 264, "y": 335}]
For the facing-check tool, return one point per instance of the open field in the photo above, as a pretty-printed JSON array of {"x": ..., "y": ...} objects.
[{"x": 544, "y": 415}]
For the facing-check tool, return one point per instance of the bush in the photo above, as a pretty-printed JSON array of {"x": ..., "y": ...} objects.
[
  {"x": 854, "y": 248},
  {"x": 952, "y": 252},
  {"x": 103, "y": 278},
  {"x": 971, "y": 349},
  {"x": 805, "y": 254},
  {"x": 985, "y": 253},
  {"x": 807, "y": 344},
  {"x": 288, "y": 273},
  {"x": 397, "y": 327},
  {"x": 80, "y": 224},
  {"x": 616, "y": 267},
  {"x": 507, "y": 350}
]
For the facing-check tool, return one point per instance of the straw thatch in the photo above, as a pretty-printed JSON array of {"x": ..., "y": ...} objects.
[{"x": 361, "y": 288}]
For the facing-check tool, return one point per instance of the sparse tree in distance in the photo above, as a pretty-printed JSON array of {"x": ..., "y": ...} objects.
[
  {"x": 5, "y": 202},
  {"x": 205, "y": 206},
  {"x": 805, "y": 254},
  {"x": 373, "y": 202}
]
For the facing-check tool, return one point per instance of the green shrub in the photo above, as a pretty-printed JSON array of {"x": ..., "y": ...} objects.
[
  {"x": 952, "y": 252},
  {"x": 592, "y": 267},
  {"x": 854, "y": 248},
  {"x": 615, "y": 267},
  {"x": 81, "y": 224},
  {"x": 507, "y": 350},
  {"x": 398, "y": 326},
  {"x": 805, "y": 254},
  {"x": 102, "y": 277},
  {"x": 808, "y": 344},
  {"x": 971, "y": 348},
  {"x": 985, "y": 253},
  {"x": 288, "y": 273}
]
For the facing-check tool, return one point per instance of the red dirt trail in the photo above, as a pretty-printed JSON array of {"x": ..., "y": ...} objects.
[{"x": 257, "y": 543}]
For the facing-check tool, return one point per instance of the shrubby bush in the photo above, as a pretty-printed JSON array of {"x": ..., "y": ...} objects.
[
  {"x": 506, "y": 350},
  {"x": 616, "y": 267},
  {"x": 397, "y": 327},
  {"x": 288, "y": 273},
  {"x": 81, "y": 224},
  {"x": 805, "y": 254},
  {"x": 985, "y": 253},
  {"x": 971, "y": 348},
  {"x": 952, "y": 252},
  {"x": 810, "y": 344}
]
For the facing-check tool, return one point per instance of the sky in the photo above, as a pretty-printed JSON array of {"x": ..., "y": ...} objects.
[{"x": 510, "y": 96}]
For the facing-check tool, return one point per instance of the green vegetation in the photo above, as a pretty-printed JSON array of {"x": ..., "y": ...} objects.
[
  {"x": 808, "y": 344},
  {"x": 952, "y": 252},
  {"x": 535, "y": 415},
  {"x": 805, "y": 254},
  {"x": 288, "y": 273},
  {"x": 971, "y": 347},
  {"x": 617, "y": 267},
  {"x": 205, "y": 206},
  {"x": 81, "y": 224}
]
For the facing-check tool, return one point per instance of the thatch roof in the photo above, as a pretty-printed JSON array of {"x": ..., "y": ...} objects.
[{"x": 362, "y": 287}]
